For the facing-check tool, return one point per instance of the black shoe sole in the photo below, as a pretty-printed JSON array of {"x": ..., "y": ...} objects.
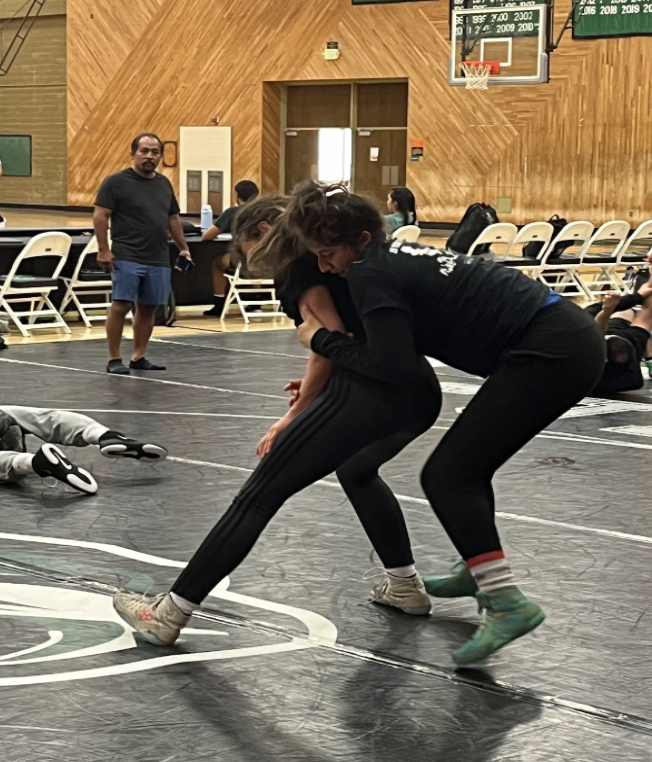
[{"x": 135, "y": 450}]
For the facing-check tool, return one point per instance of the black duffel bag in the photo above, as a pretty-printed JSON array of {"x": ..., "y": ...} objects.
[
  {"x": 476, "y": 218},
  {"x": 534, "y": 248}
]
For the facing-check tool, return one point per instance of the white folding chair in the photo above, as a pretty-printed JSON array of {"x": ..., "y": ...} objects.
[
  {"x": 500, "y": 232},
  {"x": 257, "y": 287},
  {"x": 559, "y": 272},
  {"x": 408, "y": 233},
  {"x": 633, "y": 253},
  {"x": 537, "y": 232},
  {"x": 89, "y": 281},
  {"x": 17, "y": 288},
  {"x": 597, "y": 270}
]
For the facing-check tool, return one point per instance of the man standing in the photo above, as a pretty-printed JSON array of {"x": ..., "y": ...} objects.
[
  {"x": 245, "y": 190},
  {"x": 142, "y": 208}
]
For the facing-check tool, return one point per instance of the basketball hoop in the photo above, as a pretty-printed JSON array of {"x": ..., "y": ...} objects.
[{"x": 476, "y": 74}]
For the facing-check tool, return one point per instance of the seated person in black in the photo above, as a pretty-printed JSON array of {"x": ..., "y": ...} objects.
[
  {"x": 540, "y": 353},
  {"x": 245, "y": 190},
  {"x": 627, "y": 332}
]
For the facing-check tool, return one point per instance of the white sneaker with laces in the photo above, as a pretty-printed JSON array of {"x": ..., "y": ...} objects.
[
  {"x": 158, "y": 619},
  {"x": 407, "y": 594}
]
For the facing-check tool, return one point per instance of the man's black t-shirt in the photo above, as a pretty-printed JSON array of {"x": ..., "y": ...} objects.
[
  {"x": 141, "y": 209},
  {"x": 225, "y": 220},
  {"x": 303, "y": 274},
  {"x": 461, "y": 310}
]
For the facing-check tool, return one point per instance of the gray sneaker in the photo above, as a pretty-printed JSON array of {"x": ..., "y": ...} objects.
[
  {"x": 157, "y": 619},
  {"x": 407, "y": 594}
]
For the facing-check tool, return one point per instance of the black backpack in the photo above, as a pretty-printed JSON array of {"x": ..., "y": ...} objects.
[
  {"x": 476, "y": 218},
  {"x": 534, "y": 248}
]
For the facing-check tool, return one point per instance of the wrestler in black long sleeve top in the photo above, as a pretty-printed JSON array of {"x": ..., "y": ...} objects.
[{"x": 416, "y": 300}]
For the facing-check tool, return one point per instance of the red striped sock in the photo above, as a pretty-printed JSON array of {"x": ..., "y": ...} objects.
[{"x": 491, "y": 571}]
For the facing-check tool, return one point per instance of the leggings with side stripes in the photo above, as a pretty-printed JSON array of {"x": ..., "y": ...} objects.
[{"x": 354, "y": 427}]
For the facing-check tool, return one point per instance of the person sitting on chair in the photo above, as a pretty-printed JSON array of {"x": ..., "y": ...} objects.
[
  {"x": 61, "y": 427},
  {"x": 403, "y": 210},
  {"x": 245, "y": 190}
]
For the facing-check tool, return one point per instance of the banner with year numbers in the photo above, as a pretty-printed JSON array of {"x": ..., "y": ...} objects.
[{"x": 612, "y": 18}]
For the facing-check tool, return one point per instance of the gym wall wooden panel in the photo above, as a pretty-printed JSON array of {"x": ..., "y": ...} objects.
[
  {"x": 577, "y": 146},
  {"x": 33, "y": 102},
  {"x": 317, "y": 106},
  {"x": 101, "y": 36},
  {"x": 272, "y": 115}
]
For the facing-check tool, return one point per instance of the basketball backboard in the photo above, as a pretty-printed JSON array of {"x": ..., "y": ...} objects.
[{"x": 511, "y": 33}]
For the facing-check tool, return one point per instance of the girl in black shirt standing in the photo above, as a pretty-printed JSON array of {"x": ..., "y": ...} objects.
[{"x": 540, "y": 354}]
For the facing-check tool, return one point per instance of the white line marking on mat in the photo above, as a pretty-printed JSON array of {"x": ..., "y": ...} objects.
[
  {"x": 320, "y": 631},
  {"x": 230, "y": 349},
  {"x": 433, "y": 363},
  {"x": 587, "y": 439},
  {"x": 169, "y": 412},
  {"x": 422, "y": 501},
  {"x": 637, "y": 431},
  {"x": 142, "y": 378}
]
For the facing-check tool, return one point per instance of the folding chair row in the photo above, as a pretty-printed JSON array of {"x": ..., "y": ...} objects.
[{"x": 580, "y": 273}]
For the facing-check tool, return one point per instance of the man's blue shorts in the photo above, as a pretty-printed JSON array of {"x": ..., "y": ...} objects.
[{"x": 141, "y": 284}]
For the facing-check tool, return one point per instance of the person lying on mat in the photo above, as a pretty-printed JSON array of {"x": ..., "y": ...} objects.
[
  {"x": 61, "y": 427},
  {"x": 627, "y": 332}
]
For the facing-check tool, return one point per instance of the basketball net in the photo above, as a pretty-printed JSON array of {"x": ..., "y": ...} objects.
[{"x": 476, "y": 75}]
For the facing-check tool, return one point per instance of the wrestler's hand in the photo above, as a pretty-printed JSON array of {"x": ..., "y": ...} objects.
[
  {"x": 610, "y": 302},
  {"x": 267, "y": 442},
  {"x": 308, "y": 329},
  {"x": 294, "y": 387}
]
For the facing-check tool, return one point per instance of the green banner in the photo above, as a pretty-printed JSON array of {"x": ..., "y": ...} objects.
[{"x": 612, "y": 18}]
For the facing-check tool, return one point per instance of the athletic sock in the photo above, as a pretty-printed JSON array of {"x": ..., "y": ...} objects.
[
  {"x": 218, "y": 305},
  {"x": 182, "y": 604},
  {"x": 117, "y": 367},
  {"x": 491, "y": 571},
  {"x": 402, "y": 572},
  {"x": 145, "y": 364},
  {"x": 93, "y": 433},
  {"x": 22, "y": 463}
]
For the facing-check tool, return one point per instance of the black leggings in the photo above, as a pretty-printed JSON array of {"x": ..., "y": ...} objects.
[
  {"x": 354, "y": 426},
  {"x": 556, "y": 363}
]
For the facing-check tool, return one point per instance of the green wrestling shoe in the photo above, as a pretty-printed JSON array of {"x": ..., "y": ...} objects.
[
  {"x": 458, "y": 584},
  {"x": 508, "y": 616},
  {"x": 648, "y": 363}
]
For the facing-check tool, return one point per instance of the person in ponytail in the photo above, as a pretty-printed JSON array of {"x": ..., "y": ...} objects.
[
  {"x": 402, "y": 208},
  {"x": 338, "y": 421},
  {"x": 539, "y": 353}
]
